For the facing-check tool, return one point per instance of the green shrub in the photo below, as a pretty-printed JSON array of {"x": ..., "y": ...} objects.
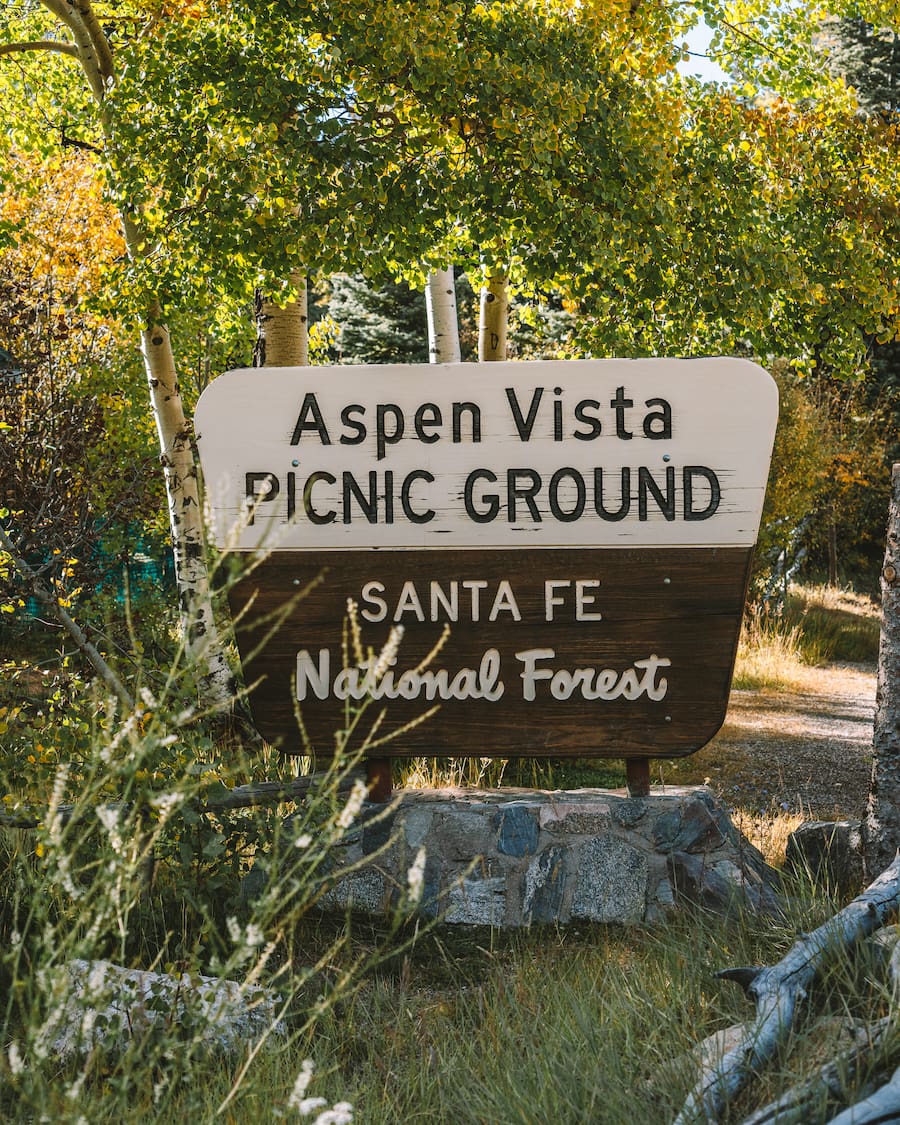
[{"x": 128, "y": 865}]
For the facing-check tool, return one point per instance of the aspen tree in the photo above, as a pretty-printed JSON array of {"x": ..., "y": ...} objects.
[
  {"x": 494, "y": 318},
  {"x": 282, "y": 336},
  {"x": 443, "y": 324},
  {"x": 91, "y": 47}
]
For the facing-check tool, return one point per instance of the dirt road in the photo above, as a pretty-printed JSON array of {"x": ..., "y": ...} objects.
[{"x": 804, "y": 752}]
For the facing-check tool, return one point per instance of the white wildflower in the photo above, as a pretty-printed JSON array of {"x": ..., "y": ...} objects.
[
  {"x": 388, "y": 654},
  {"x": 184, "y": 716},
  {"x": 74, "y": 1091},
  {"x": 166, "y": 803},
  {"x": 125, "y": 730},
  {"x": 415, "y": 877},
  {"x": 64, "y": 870},
  {"x": 306, "y": 1106},
  {"x": 257, "y": 970},
  {"x": 59, "y": 786},
  {"x": 147, "y": 696},
  {"x": 254, "y": 935},
  {"x": 169, "y": 740},
  {"x": 234, "y": 930},
  {"x": 96, "y": 979},
  {"x": 341, "y": 1113},
  {"x": 109, "y": 818},
  {"x": 303, "y": 840},
  {"x": 355, "y": 635},
  {"x": 15, "y": 939},
  {"x": 350, "y": 811},
  {"x": 303, "y": 1080},
  {"x": 16, "y": 1062},
  {"x": 87, "y": 1023},
  {"x": 54, "y": 823}
]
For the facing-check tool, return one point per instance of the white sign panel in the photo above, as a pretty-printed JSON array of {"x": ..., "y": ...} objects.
[{"x": 587, "y": 453}]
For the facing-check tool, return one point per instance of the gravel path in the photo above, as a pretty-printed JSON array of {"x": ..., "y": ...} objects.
[{"x": 806, "y": 752}]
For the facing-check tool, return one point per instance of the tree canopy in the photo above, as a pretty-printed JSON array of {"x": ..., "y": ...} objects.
[
  {"x": 555, "y": 140},
  {"x": 552, "y": 143}
]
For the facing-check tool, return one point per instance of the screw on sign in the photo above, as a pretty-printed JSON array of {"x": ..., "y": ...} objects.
[{"x": 564, "y": 545}]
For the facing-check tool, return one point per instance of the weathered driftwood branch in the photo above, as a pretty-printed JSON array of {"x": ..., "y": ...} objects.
[
  {"x": 241, "y": 797},
  {"x": 797, "y": 1105},
  {"x": 777, "y": 989},
  {"x": 878, "y": 1109}
]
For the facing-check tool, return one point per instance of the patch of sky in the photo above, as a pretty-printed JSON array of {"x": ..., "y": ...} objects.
[{"x": 698, "y": 64}]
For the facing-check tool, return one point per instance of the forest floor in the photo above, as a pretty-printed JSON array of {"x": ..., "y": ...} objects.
[{"x": 805, "y": 752}]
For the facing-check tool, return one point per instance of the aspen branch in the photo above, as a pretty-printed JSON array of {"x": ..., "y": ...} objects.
[
  {"x": 39, "y": 45},
  {"x": 98, "y": 38},
  {"x": 78, "y": 635},
  {"x": 90, "y": 44},
  {"x": 777, "y": 990}
]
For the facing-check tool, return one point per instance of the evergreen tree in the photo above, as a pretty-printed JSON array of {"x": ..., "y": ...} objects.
[
  {"x": 386, "y": 323},
  {"x": 383, "y": 324},
  {"x": 868, "y": 59}
]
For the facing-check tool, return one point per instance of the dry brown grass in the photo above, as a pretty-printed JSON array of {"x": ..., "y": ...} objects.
[
  {"x": 768, "y": 831},
  {"x": 771, "y": 657}
]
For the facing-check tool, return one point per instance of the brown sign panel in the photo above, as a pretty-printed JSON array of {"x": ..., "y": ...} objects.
[
  {"x": 624, "y": 653},
  {"x": 574, "y": 537}
]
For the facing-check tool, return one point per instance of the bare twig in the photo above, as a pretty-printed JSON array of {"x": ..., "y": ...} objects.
[
  {"x": 798, "y": 1104},
  {"x": 878, "y": 1109},
  {"x": 78, "y": 635},
  {"x": 241, "y": 797}
]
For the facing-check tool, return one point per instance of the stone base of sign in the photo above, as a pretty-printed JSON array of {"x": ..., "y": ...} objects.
[{"x": 513, "y": 857}]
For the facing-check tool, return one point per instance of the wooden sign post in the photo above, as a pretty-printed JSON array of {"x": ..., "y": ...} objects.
[{"x": 582, "y": 531}]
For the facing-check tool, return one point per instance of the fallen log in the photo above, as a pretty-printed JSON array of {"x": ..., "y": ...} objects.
[
  {"x": 241, "y": 797},
  {"x": 776, "y": 991}
]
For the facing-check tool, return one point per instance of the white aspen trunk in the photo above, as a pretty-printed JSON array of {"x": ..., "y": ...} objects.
[
  {"x": 203, "y": 645},
  {"x": 493, "y": 319},
  {"x": 282, "y": 336},
  {"x": 882, "y": 822},
  {"x": 443, "y": 324}
]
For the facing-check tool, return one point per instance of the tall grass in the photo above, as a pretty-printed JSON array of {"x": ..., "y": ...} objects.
[
  {"x": 591, "y": 1024},
  {"x": 127, "y": 867},
  {"x": 819, "y": 625},
  {"x": 834, "y": 624}
]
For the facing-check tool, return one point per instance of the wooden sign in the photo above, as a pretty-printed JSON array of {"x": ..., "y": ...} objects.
[{"x": 565, "y": 547}]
